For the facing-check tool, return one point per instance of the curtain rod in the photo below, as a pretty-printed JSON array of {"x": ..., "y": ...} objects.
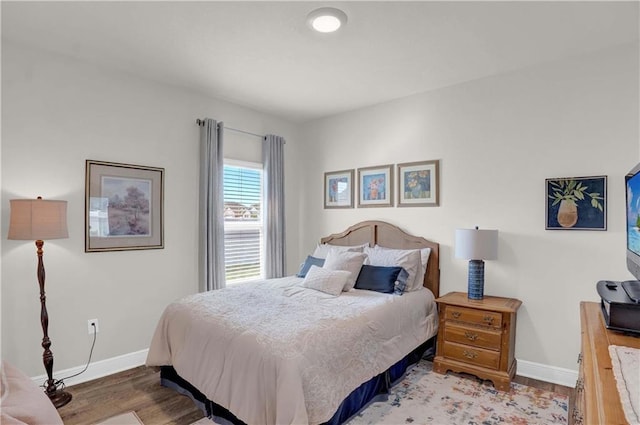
[{"x": 200, "y": 122}]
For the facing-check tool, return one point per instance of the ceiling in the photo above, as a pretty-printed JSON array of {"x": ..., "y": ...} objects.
[{"x": 263, "y": 56}]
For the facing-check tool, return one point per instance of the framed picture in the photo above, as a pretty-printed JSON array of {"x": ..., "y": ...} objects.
[
  {"x": 576, "y": 203},
  {"x": 375, "y": 186},
  {"x": 338, "y": 189},
  {"x": 418, "y": 184},
  {"x": 123, "y": 207}
]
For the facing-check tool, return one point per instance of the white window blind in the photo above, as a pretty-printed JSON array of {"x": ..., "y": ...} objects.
[{"x": 243, "y": 222}]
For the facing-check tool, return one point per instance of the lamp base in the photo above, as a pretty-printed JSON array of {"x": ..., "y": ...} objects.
[
  {"x": 476, "y": 280},
  {"x": 59, "y": 398}
]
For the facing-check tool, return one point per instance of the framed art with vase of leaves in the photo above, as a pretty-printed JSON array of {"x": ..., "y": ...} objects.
[{"x": 576, "y": 203}]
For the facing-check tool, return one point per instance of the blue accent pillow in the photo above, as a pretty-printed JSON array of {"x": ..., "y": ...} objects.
[
  {"x": 310, "y": 261},
  {"x": 388, "y": 280}
]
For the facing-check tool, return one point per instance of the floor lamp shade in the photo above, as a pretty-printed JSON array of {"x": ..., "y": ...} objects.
[
  {"x": 476, "y": 245},
  {"x": 39, "y": 220}
]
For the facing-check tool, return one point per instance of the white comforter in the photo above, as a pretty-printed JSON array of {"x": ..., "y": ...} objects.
[{"x": 272, "y": 352}]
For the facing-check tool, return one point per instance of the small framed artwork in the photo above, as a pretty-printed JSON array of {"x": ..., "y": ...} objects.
[
  {"x": 418, "y": 184},
  {"x": 338, "y": 189},
  {"x": 375, "y": 186},
  {"x": 576, "y": 203},
  {"x": 123, "y": 207}
]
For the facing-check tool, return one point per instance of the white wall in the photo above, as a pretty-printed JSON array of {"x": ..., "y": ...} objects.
[
  {"x": 56, "y": 113},
  {"x": 498, "y": 139}
]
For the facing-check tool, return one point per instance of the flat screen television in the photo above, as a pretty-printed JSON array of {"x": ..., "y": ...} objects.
[
  {"x": 632, "y": 181},
  {"x": 621, "y": 309}
]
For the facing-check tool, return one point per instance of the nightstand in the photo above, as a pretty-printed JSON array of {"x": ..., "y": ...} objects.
[{"x": 477, "y": 337}]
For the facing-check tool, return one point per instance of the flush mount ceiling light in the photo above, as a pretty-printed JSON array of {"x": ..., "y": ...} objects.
[{"x": 326, "y": 19}]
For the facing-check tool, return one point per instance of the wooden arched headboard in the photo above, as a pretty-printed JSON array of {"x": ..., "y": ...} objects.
[{"x": 390, "y": 236}]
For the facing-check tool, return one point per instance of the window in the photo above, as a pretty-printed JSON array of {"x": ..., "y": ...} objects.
[{"x": 243, "y": 221}]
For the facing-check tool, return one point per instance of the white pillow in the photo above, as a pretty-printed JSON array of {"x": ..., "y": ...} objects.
[
  {"x": 327, "y": 281},
  {"x": 409, "y": 259},
  {"x": 424, "y": 260},
  {"x": 23, "y": 402},
  {"x": 322, "y": 250},
  {"x": 346, "y": 260}
]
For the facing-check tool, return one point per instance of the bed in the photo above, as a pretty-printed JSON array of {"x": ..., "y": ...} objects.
[{"x": 276, "y": 352}]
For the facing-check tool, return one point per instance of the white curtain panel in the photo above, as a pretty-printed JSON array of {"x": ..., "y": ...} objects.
[
  {"x": 273, "y": 163},
  {"x": 211, "y": 252}
]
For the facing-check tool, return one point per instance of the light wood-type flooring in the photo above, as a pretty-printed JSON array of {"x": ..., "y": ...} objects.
[{"x": 139, "y": 390}]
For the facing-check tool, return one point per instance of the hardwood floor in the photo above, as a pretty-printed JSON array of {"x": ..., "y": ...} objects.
[
  {"x": 139, "y": 390},
  {"x": 560, "y": 389},
  {"x": 136, "y": 390}
]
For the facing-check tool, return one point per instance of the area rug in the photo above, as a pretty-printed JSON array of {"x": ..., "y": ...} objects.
[
  {"x": 129, "y": 418},
  {"x": 426, "y": 397}
]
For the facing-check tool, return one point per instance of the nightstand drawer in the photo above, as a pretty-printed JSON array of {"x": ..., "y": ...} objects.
[
  {"x": 472, "y": 355},
  {"x": 477, "y": 317},
  {"x": 476, "y": 337}
]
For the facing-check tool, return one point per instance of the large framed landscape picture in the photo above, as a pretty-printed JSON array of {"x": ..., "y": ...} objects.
[{"x": 123, "y": 207}]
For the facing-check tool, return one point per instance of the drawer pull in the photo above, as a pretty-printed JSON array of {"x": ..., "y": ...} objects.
[
  {"x": 488, "y": 319},
  {"x": 471, "y": 336},
  {"x": 470, "y": 354},
  {"x": 455, "y": 314}
]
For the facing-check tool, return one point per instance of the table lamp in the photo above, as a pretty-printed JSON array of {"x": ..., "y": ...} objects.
[
  {"x": 476, "y": 245},
  {"x": 37, "y": 219}
]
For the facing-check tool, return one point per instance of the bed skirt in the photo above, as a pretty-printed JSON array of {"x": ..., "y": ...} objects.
[{"x": 373, "y": 390}]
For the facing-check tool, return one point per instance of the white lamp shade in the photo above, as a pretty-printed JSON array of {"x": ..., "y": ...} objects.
[
  {"x": 476, "y": 244},
  {"x": 37, "y": 219}
]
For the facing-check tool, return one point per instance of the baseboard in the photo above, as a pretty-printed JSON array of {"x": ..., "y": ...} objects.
[
  {"x": 555, "y": 375},
  {"x": 98, "y": 369}
]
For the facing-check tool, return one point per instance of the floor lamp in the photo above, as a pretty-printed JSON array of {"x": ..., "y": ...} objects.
[{"x": 37, "y": 219}]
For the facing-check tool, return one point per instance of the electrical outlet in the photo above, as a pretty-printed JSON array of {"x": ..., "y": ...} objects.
[{"x": 93, "y": 326}]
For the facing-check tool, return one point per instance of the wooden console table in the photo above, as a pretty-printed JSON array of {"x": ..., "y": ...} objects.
[{"x": 597, "y": 397}]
